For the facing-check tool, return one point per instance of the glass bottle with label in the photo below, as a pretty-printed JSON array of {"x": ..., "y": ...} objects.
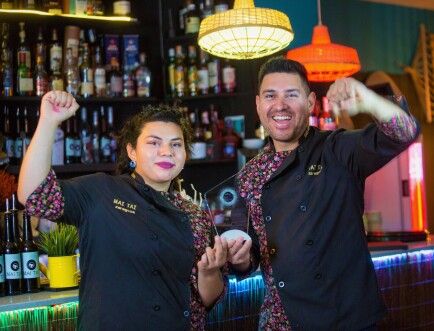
[
  {"x": 29, "y": 4},
  {"x": 206, "y": 8},
  {"x": 115, "y": 78},
  {"x": 2, "y": 269},
  {"x": 86, "y": 74},
  {"x": 12, "y": 256},
  {"x": 23, "y": 51},
  {"x": 122, "y": 8},
  {"x": 112, "y": 135},
  {"x": 230, "y": 142},
  {"x": 180, "y": 72},
  {"x": 9, "y": 142},
  {"x": 77, "y": 139},
  {"x": 7, "y": 75},
  {"x": 171, "y": 67},
  {"x": 69, "y": 143},
  {"x": 95, "y": 136},
  {"x": 198, "y": 146},
  {"x": 229, "y": 77},
  {"x": 41, "y": 77},
  {"x": 214, "y": 75},
  {"x": 86, "y": 139},
  {"x": 100, "y": 74},
  {"x": 192, "y": 19},
  {"x": 24, "y": 77},
  {"x": 202, "y": 74},
  {"x": 128, "y": 86},
  {"x": 30, "y": 258},
  {"x": 143, "y": 78},
  {"x": 220, "y": 6},
  {"x": 25, "y": 135},
  {"x": 55, "y": 53},
  {"x": 192, "y": 70},
  {"x": 105, "y": 151},
  {"x": 18, "y": 142},
  {"x": 41, "y": 47},
  {"x": 72, "y": 77},
  {"x": 52, "y": 6}
]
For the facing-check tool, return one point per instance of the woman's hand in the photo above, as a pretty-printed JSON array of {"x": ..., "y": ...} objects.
[
  {"x": 213, "y": 258},
  {"x": 57, "y": 106},
  {"x": 239, "y": 253}
]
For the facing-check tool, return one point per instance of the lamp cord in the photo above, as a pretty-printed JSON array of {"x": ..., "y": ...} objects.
[{"x": 319, "y": 12}]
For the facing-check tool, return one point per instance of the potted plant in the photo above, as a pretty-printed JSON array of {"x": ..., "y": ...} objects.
[{"x": 60, "y": 245}]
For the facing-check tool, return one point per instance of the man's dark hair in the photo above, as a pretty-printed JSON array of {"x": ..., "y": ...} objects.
[
  {"x": 132, "y": 129},
  {"x": 279, "y": 64}
]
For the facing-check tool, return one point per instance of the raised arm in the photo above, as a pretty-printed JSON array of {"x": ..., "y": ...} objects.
[{"x": 56, "y": 106}]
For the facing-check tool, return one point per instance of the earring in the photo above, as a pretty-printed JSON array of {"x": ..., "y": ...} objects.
[{"x": 133, "y": 164}]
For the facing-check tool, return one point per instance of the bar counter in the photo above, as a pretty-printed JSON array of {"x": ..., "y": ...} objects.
[{"x": 405, "y": 276}]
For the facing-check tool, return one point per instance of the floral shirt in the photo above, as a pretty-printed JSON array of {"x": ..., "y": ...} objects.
[{"x": 47, "y": 201}]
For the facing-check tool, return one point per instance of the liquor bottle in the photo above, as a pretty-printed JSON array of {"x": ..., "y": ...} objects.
[
  {"x": 56, "y": 81},
  {"x": 24, "y": 77},
  {"x": 192, "y": 71},
  {"x": 23, "y": 52},
  {"x": 18, "y": 142},
  {"x": 29, "y": 4},
  {"x": 81, "y": 43},
  {"x": 7, "y": 75},
  {"x": 85, "y": 138},
  {"x": 25, "y": 135},
  {"x": 2, "y": 269},
  {"x": 182, "y": 13},
  {"x": 7, "y": 4},
  {"x": 229, "y": 77},
  {"x": 12, "y": 256},
  {"x": 122, "y": 8},
  {"x": 171, "y": 67},
  {"x": 230, "y": 142},
  {"x": 30, "y": 258},
  {"x": 80, "y": 7},
  {"x": 69, "y": 143},
  {"x": 112, "y": 135},
  {"x": 52, "y": 6},
  {"x": 14, "y": 221},
  {"x": 214, "y": 75},
  {"x": 9, "y": 141},
  {"x": 180, "y": 72},
  {"x": 95, "y": 137},
  {"x": 55, "y": 53},
  {"x": 143, "y": 78},
  {"x": 77, "y": 139},
  {"x": 115, "y": 78},
  {"x": 206, "y": 8},
  {"x": 214, "y": 145},
  {"x": 206, "y": 125},
  {"x": 71, "y": 40},
  {"x": 41, "y": 77},
  {"x": 41, "y": 47},
  {"x": 58, "y": 151},
  {"x": 220, "y": 6},
  {"x": 72, "y": 77},
  {"x": 105, "y": 139},
  {"x": 100, "y": 74},
  {"x": 192, "y": 19},
  {"x": 198, "y": 146},
  {"x": 86, "y": 73},
  {"x": 98, "y": 8},
  {"x": 128, "y": 86},
  {"x": 202, "y": 74}
]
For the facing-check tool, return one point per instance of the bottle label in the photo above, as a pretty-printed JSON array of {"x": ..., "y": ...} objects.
[
  {"x": 172, "y": 83},
  {"x": 105, "y": 146},
  {"x": 192, "y": 24},
  {"x": 116, "y": 84},
  {"x": 180, "y": 79},
  {"x": 25, "y": 84},
  {"x": 55, "y": 58},
  {"x": 73, "y": 44},
  {"x": 80, "y": 7},
  {"x": 213, "y": 74},
  {"x": 122, "y": 8},
  {"x": 86, "y": 88},
  {"x": 77, "y": 147},
  {"x": 26, "y": 56},
  {"x": 143, "y": 91},
  {"x": 30, "y": 265},
  {"x": 87, "y": 154},
  {"x": 10, "y": 147},
  {"x": 203, "y": 79},
  {"x": 57, "y": 84},
  {"x": 7, "y": 5},
  {"x": 13, "y": 266},
  {"x": 229, "y": 78},
  {"x": 70, "y": 147},
  {"x": 7, "y": 79},
  {"x": 2, "y": 268},
  {"x": 41, "y": 86},
  {"x": 192, "y": 79},
  {"x": 100, "y": 82},
  {"x": 18, "y": 148}
]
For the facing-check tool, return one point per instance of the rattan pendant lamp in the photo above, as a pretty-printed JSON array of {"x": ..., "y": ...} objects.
[
  {"x": 245, "y": 32},
  {"x": 324, "y": 60}
]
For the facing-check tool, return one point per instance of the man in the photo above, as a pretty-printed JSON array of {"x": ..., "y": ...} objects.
[{"x": 304, "y": 194}]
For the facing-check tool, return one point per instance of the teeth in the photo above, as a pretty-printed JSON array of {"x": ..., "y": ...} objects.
[{"x": 281, "y": 118}]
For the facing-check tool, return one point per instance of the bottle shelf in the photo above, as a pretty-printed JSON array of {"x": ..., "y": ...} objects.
[
  {"x": 209, "y": 96},
  {"x": 17, "y": 13},
  {"x": 84, "y": 100},
  {"x": 106, "y": 167}
]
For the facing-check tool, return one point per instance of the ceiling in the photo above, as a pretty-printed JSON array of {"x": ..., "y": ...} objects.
[{"x": 421, "y": 4}]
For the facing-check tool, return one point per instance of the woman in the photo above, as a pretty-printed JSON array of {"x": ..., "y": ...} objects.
[{"x": 145, "y": 259}]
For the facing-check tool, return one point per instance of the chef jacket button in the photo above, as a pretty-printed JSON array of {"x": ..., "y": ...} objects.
[
  {"x": 154, "y": 236},
  {"x": 268, "y": 219},
  {"x": 186, "y": 313},
  {"x": 318, "y": 276},
  {"x": 157, "y": 307},
  {"x": 155, "y": 272},
  {"x": 303, "y": 208},
  {"x": 298, "y": 177},
  {"x": 309, "y": 242},
  {"x": 272, "y": 251},
  {"x": 267, "y": 186},
  {"x": 281, "y": 284}
]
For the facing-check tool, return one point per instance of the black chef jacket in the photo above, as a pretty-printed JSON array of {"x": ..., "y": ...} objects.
[
  {"x": 136, "y": 254},
  {"x": 312, "y": 209}
]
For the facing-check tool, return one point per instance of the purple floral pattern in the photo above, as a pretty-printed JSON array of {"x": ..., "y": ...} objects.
[{"x": 250, "y": 182}]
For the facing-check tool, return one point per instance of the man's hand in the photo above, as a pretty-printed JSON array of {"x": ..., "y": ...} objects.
[
  {"x": 213, "y": 258},
  {"x": 350, "y": 95},
  {"x": 57, "y": 106},
  {"x": 239, "y": 253}
]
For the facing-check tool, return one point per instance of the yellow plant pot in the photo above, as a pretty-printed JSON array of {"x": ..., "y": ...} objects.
[{"x": 62, "y": 271}]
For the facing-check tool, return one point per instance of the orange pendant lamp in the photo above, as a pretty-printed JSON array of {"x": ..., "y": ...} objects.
[{"x": 324, "y": 60}]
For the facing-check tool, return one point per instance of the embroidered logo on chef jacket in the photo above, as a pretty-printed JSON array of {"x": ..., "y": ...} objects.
[
  {"x": 314, "y": 169},
  {"x": 126, "y": 207}
]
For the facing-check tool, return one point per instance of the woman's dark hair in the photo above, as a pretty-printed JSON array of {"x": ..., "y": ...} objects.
[
  {"x": 132, "y": 129},
  {"x": 279, "y": 64}
]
